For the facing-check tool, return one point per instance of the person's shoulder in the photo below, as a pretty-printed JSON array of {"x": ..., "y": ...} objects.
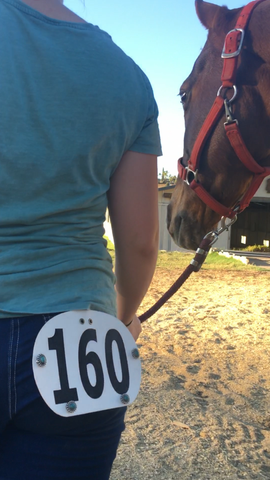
[
  {"x": 99, "y": 33},
  {"x": 118, "y": 53}
]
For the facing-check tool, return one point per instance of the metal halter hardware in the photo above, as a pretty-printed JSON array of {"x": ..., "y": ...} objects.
[
  {"x": 236, "y": 52},
  {"x": 195, "y": 175},
  {"x": 222, "y": 104},
  {"x": 228, "y": 102},
  {"x": 223, "y": 227}
]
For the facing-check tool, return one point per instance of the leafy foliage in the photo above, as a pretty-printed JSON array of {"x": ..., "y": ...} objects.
[
  {"x": 110, "y": 245},
  {"x": 166, "y": 177}
]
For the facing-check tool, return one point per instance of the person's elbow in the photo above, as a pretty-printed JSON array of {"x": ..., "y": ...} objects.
[{"x": 146, "y": 243}]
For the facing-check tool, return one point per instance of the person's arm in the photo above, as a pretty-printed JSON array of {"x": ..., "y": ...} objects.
[{"x": 133, "y": 208}]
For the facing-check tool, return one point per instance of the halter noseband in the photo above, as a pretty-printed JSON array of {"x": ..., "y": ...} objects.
[{"x": 231, "y": 50}]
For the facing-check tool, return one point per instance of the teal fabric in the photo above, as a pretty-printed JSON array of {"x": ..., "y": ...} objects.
[{"x": 71, "y": 104}]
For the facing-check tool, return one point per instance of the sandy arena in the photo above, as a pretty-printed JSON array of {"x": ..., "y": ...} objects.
[{"x": 203, "y": 411}]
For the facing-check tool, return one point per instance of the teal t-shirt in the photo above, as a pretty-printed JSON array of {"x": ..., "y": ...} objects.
[{"x": 71, "y": 104}]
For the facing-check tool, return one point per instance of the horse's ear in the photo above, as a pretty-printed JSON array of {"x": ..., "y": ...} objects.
[{"x": 207, "y": 13}]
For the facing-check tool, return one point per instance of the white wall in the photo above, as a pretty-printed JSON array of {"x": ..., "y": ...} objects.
[{"x": 261, "y": 192}]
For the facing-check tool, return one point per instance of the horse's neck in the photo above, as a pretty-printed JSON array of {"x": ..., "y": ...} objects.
[
  {"x": 260, "y": 38},
  {"x": 260, "y": 32},
  {"x": 266, "y": 162}
]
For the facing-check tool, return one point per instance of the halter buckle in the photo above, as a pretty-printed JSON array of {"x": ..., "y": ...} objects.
[{"x": 236, "y": 52}]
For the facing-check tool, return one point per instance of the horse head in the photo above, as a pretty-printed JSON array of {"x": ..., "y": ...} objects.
[{"x": 220, "y": 172}]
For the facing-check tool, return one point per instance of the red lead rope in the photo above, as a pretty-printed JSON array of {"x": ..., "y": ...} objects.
[{"x": 194, "y": 266}]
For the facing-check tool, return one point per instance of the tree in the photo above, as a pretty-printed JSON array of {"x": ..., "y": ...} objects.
[{"x": 166, "y": 177}]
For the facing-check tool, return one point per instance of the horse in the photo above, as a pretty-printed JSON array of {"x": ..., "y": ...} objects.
[{"x": 226, "y": 102}]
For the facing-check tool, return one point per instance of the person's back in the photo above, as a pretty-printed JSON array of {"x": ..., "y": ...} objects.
[
  {"x": 65, "y": 123},
  {"x": 78, "y": 133}
]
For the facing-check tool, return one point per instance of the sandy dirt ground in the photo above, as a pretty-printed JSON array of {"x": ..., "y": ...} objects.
[{"x": 203, "y": 411}]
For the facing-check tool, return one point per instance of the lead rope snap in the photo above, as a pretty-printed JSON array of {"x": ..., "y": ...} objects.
[{"x": 194, "y": 266}]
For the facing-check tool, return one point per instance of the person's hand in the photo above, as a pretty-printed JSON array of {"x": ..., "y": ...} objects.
[{"x": 135, "y": 327}]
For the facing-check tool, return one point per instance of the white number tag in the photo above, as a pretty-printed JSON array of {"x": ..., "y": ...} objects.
[{"x": 86, "y": 361}]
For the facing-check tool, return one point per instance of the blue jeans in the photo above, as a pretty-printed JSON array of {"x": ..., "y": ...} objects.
[{"x": 35, "y": 443}]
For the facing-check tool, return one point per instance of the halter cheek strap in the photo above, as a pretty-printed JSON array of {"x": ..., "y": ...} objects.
[{"x": 231, "y": 50}]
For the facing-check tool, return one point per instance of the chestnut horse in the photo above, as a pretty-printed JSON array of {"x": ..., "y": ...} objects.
[{"x": 242, "y": 91}]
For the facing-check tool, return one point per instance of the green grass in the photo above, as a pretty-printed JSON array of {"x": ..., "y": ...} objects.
[
  {"x": 180, "y": 260},
  {"x": 173, "y": 259},
  {"x": 214, "y": 261},
  {"x": 256, "y": 248}
]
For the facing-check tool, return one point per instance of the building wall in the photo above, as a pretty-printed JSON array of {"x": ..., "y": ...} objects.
[
  {"x": 262, "y": 192},
  {"x": 165, "y": 240}
]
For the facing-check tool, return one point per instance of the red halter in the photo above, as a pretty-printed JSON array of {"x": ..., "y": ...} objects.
[{"x": 231, "y": 50}]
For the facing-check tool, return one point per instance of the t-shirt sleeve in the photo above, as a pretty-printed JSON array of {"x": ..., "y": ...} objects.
[{"x": 148, "y": 141}]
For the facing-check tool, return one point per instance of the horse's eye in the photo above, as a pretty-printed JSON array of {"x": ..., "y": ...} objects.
[{"x": 184, "y": 96}]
